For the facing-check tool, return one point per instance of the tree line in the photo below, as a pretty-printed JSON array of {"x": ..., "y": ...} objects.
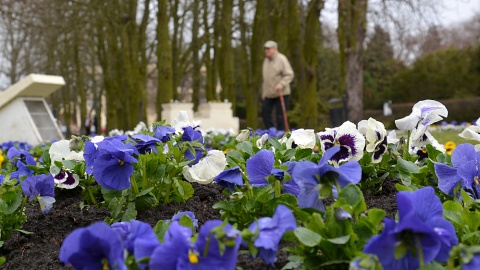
[{"x": 132, "y": 53}]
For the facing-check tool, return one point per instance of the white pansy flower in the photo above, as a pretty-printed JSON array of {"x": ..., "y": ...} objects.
[
  {"x": 373, "y": 131},
  {"x": 424, "y": 113},
  {"x": 60, "y": 150},
  {"x": 472, "y": 132},
  {"x": 350, "y": 140},
  {"x": 207, "y": 168},
  {"x": 260, "y": 142},
  {"x": 376, "y": 136},
  {"x": 244, "y": 135},
  {"x": 392, "y": 137},
  {"x": 421, "y": 143},
  {"x": 182, "y": 122},
  {"x": 301, "y": 139}
]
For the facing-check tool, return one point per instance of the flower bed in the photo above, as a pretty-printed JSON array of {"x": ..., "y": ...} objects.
[{"x": 174, "y": 198}]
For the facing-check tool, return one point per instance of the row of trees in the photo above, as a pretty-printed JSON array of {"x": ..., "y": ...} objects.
[{"x": 113, "y": 49}]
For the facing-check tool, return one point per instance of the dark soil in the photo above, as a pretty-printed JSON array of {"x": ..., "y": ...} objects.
[{"x": 40, "y": 250}]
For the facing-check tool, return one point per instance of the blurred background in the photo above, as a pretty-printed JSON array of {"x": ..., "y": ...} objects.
[{"x": 121, "y": 59}]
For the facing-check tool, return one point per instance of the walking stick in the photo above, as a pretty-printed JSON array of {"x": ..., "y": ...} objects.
[{"x": 284, "y": 110}]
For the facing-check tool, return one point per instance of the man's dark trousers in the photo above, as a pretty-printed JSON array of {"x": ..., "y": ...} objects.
[{"x": 274, "y": 104}]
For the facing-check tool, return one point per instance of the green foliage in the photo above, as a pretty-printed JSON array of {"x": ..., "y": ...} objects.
[
  {"x": 333, "y": 238},
  {"x": 379, "y": 69},
  {"x": 12, "y": 204},
  {"x": 441, "y": 75}
]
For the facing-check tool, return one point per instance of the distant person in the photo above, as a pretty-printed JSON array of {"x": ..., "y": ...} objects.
[
  {"x": 88, "y": 125},
  {"x": 277, "y": 74},
  {"x": 387, "y": 111}
]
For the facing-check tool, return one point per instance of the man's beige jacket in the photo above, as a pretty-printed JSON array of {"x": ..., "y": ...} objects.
[{"x": 276, "y": 70}]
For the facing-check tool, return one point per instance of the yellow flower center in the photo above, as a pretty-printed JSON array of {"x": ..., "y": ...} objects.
[
  {"x": 192, "y": 257},
  {"x": 105, "y": 264},
  {"x": 476, "y": 179},
  {"x": 121, "y": 162}
]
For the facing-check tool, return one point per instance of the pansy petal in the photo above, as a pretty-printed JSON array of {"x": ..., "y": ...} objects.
[
  {"x": 463, "y": 153},
  {"x": 448, "y": 178},
  {"x": 259, "y": 166}
]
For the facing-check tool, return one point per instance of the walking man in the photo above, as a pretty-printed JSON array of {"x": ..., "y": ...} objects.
[{"x": 277, "y": 74}]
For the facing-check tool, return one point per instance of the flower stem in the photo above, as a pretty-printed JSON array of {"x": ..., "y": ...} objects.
[
  {"x": 407, "y": 146},
  {"x": 145, "y": 183},
  {"x": 90, "y": 195},
  {"x": 134, "y": 185},
  {"x": 419, "y": 250}
]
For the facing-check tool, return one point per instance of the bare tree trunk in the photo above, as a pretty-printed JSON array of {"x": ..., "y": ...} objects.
[
  {"x": 309, "y": 104},
  {"x": 196, "y": 46},
  {"x": 226, "y": 73},
  {"x": 352, "y": 20},
  {"x": 164, "y": 56}
]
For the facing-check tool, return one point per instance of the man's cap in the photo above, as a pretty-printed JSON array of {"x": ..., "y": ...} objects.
[{"x": 270, "y": 44}]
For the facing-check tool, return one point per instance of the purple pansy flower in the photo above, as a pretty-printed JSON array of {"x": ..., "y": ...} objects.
[
  {"x": 178, "y": 252},
  {"x": 260, "y": 166},
  {"x": 230, "y": 178},
  {"x": 129, "y": 232},
  {"x": 163, "y": 133},
  {"x": 41, "y": 187},
  {"x": 110, "y": 163},
  {"x": 305, "y": 175},
  {"x": 421, "y": 233},
  {"x": 270, "y": 232},
  {"x": 464, "y": 171},
  {"x": 145, "y": 143},
  {"x": 97, "y": 246}
]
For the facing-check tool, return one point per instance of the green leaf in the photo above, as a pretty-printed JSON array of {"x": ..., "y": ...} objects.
[
  {"x": 303, "y": 153},
  {"x": 275, "y": 143},
  {"x": 354, "y": 197},
  {"x": 13, "y": 206},
  {"x": 307, "y": 237},
  {"x": 186, "y": 221},
  {"x": 246, "y": 147},
  {"x": 130, "y": 213},
  {"x": 145, "y": 202},
  {"x": 452, "y": 211},
  {"x": 69, "y": 164},
  {"x": 339, "y": 240},
  {"x": 25, "y": 232},
  {"x": 160, "y": 228},
  {"x": 187, "y": 189},
  {"x": 432, "y": 266},
  {"x": 54, "y": 170}
]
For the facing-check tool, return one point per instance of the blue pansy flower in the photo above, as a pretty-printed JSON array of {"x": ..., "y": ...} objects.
[
  {"x": 20, "y": 158},
  {"x": 22, "y": 155},
  {"x": 178, "y": 252},
  {"x": 260, "y": 166},
  {"x": 111, "y": 163},
  {"x": 163, "y": 133},
  {"x": 97, "y": 246},
  {"x": 22, "y": 170},
  {"x": 129, "y": 232},
  {"x": 230, "y": 178},
  {"x": 420, "y": 236},
  {"x": 190, "y": 214},
  {"x": 145, "y": 143},
  {"x": 270, "y": 232},
  {"x": 473, "y": 264},
  {"x": 464, "y": 171},
  {"x": 41, "y": 187},
  {"x": 191, "y": 135},
  {"x": 307, "y": 174}
]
